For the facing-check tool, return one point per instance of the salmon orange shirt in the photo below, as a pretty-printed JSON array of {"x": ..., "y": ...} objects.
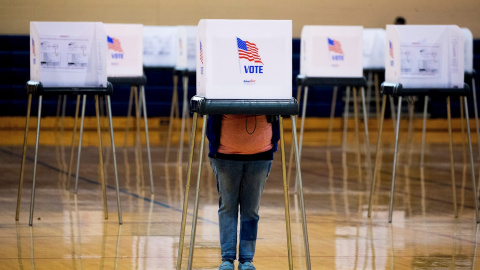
[{"x": 245, "y": 134}]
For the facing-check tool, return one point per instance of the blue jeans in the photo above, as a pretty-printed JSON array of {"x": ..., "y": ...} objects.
[{"x": 239, "y": 183}]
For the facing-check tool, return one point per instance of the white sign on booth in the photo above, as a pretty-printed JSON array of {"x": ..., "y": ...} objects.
[
  {"x": 160, "y": 46},
  {"x": 186, "y": 49},
  {"x": 425, "y": 56},
  {"x": 468, "y": 43},
  {"x": 331, "y": 51},
  {"x": 374, "y": 48},
  {"x": 68, "y": 54},
  {"x": 125, "y": 50},
  {"x": 244, "y": 59}
]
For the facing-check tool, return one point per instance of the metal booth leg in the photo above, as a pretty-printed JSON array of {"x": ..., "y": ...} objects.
[
  {"x": 173, "y": 109},
  {"x": 286, "y": 194},
  {"x": 62, "y": 122},
  {"x": 119, "y": 206},
  {"x": 72, "y": 149},
  {"x": 474, "y": 91},
  {"x": 80, "y": 143},
  {"x": 332, "y": 114},
  {"x": 57, "y": 115},
  {"x": 302, "y": 126},
  {"x": 410, "y": 138},
  {"x": 462, "y": 128},
  {"x": 377, "y": 99},
  {"x": 187, "y": 189},
  {"x": 100, "y": 157},
  {"x": 345, "y": 120},
  {"x": 424, "y": 130},
  {"x": 184, "y": 118},
  {"x": 147, "y": 137},
  {"x": 452, "y": 164},
  {"x": 197, "y": 194},
  {"x": 369, "y": 89},
  {"x": 186, "y": 104},
  {"x": 377, "y": 155},
  {"x": 357, "y": 135},
  {"x": 392, "y": 112},
  {"x": 138, "y": 142},
  {"x": 61, "y": 105},
  {"x": 390, "y": 211},
  {"x": 471, "y": 159},
  {"x": 290, "y": 160},
  {"x": 300, "y": 190},
  {"x": 367, "y": 138},
  {"x": 129, "y": 113},
  {"x": 24, "y": 156},
  {"x": 32, "y": 200}
]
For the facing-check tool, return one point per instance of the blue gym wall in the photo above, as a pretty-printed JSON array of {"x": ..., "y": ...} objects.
[{"x": 15, "y": 72}]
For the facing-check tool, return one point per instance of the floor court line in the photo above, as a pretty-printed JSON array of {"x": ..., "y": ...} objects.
[{"x": 108, "y": 186}]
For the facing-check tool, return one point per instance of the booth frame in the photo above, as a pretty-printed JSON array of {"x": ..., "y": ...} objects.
[
  {"x": 137, "y": 93},
  {"x": 304, "y": 82},
  {"x": 35, "y": 88},
  {"x": 397, "y": 90},
  {"x": 205, "y": 107}
]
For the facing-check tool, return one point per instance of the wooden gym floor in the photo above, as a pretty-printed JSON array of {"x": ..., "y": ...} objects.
[{"x": 69, "y": 230}]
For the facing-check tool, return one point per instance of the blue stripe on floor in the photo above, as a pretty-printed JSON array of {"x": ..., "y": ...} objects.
[{"x": 125, "y": 192}]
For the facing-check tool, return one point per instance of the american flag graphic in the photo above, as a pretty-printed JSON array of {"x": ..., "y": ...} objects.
[
  {"x": 390, "y": 49},
  {"x": 334, "y": 46},
  {"x": 201, "y": 53},
  {"x": 114, "y": 44},
  {"x": 249, "y": 51},
  {"x": 33, "y": 47}
]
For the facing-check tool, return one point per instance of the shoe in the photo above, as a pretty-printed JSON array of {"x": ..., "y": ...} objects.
[
  {"x": 246, "y": 266},
  {"x": 227, "y": 265}
]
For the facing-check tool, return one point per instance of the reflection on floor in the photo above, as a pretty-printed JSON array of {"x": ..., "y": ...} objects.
[{"x": 69, "y": 230}]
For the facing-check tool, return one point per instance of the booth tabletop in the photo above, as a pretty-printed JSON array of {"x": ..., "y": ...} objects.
[
  {"x": 36, "y": 88},
  {"x": 396, "y": 89},
  {"x": 470, "y": 75},
  {"x": 139, "y": 80},
  {"x": 183, "y": 71},
  {"x": 205, "y": 106},
  {"x": 331, "y": 81},
  {"x": 374, "y": 70}
]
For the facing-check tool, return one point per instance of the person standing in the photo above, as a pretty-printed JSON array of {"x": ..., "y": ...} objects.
[{"x": 241, "y": 154}]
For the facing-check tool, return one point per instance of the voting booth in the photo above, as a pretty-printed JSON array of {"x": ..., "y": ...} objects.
[
  {"x": 159, "y": 46},
  {"x": 373, "y": 63},
  {"x": 332, "y": 56},
  {"x": 469, "y": 77},
  {"x": 374, "y": 48},
  {"x": 238, "y": 60},
  {"x": 186, "y": 39},
  {"x": 331, "y": 51},
  {"x": 468, "y": 45},
  {"x": 425, "y": 56},
  {"x": 424, "y": 60},
  {"x": 125, "y": 50},
  {"x": 125, "y": 67},
  {"x": 68, "y": 54},
  {"x": 242, "y": 69},
  {"x": 186, "y": 36},
  {"x": 68, "y": 58},
  {"x": 470, "y": 74}
]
